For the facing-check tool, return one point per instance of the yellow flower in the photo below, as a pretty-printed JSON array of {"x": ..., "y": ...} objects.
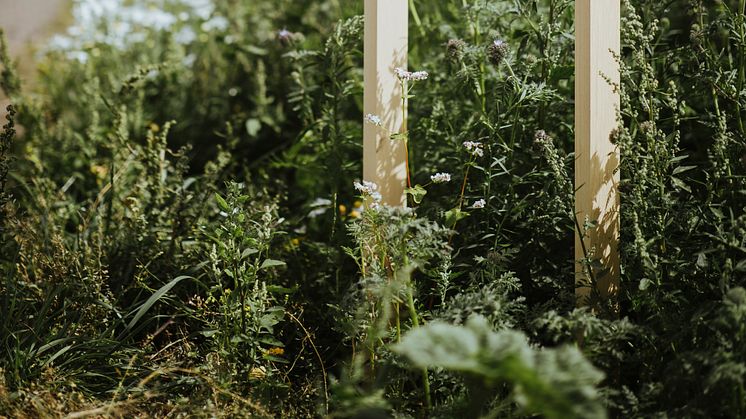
[
  {"x": 275, "y": 351},
  {"x": 295, "y": 241},
  {"x": 358, "y": 204},
  {"x": 355, "y": 214},
  {"x": 100, "y": 171},
  {"x": 154, "y": 127},
  {"x": 342, "y": 209}
]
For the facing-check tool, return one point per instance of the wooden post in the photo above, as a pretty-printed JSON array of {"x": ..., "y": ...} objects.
[
  {"x": 386, "y": 42},
  {"x": 597, "y": 40}
]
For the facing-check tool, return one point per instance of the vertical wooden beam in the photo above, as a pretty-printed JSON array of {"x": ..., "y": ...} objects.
[
  {"x": 386, "y": 42},
  {"x": 597, "y": 39}
]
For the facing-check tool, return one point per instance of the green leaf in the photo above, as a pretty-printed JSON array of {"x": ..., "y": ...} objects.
[
  {"x": 682, "y": 169},
  {"x": 553, "y": 383},
  {"x": 56, "y": 355},
  {"x": 276, "y": 359},
  {"x": 399, "y": 136},
  {"x": 248, "y": 252},
  {"x": 455, "y": 215},
  {"x": 271, "y": 341},
  {"x": 154, "y": 299},
  {"x": 222, "y": 204},
  {"x": 417, "y": 192},
  {"x": 269, "y": 263},
  {"x": 680, "y": 184},
  {"x": 281, "y": 290},
  {"x": 253, "y": 126}
]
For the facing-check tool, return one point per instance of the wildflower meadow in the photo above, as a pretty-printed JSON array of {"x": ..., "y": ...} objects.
[{"x": 186, "y": 231}]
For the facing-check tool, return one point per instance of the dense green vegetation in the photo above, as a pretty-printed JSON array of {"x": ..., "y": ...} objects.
[{"x": 181, "y": 233}]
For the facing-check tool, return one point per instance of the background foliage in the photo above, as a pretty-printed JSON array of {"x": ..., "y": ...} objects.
[{"x": 181, "y": 234}]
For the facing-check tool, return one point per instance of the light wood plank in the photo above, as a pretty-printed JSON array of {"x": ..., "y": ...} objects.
[
  {"x": 386, "y": 44},
  {"x": 597, "y": 38}
]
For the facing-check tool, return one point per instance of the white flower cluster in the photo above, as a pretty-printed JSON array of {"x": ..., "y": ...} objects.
[
  {"x": 403, "y": 74},
  {"x": 441, "y": 177},
  {"x": 370, "y": 189},
  {"x": 122, "y": 23},
  {"x": 474, "y": 148},
  {"x": 373, "y": 120},
  {"x": 479, "y": 204},
  {"x": 215, "y": 24}
]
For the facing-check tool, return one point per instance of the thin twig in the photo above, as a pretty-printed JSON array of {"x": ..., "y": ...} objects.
[{"x": 318, "y": 355}]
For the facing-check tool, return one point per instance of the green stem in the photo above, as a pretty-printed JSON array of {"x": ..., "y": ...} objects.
[
  {"x": 398, "y": 324},
  {"x": 416, "y": 17},
  {"x": 416, "y": 324}
]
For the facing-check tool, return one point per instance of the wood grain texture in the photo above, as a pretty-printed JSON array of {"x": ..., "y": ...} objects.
[
  {"x": 597, "y": 40},
  {"x": 386, "y": 47}
]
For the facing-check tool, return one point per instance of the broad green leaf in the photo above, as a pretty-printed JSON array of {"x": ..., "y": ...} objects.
[
  {"x": 455, "y": 215},
  {"x": 417, "y": 192},
  {"x": 269, "y": 263}
]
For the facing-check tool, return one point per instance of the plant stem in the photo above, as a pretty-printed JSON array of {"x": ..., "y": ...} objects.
[
  {"x": 416, "y": 17},
  {"x": 416, "y": 324},
  {"x": 406, "y": 162},
  {"x": 463, "y": 186}
]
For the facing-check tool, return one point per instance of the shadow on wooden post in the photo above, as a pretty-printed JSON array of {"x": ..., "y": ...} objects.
[
  {"x": 597, "y": 41},
  {"x": 386, "y": 47}
]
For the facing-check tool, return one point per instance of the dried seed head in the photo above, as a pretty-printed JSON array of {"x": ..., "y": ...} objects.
[
  {"x": 497, "y": 51},
  {"x": 647, "y": 127},
  {"x": 541, "y": 139},
  {"x": 541, "y": 136},
  {"x": 696, "y": 35},
  {"x": 455, "y": 49}
]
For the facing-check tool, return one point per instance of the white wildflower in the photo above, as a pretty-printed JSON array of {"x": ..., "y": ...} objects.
[
  {"x": 474, "y": 148},
  {"x": 373, "y": 120},
  {"x": 366, "y": 188},
  {"x": 441, "y": 177},
  {"x": 189, "y": 60},
  {"x": 216, "y": 23},
  {"x": 419, "y": 75},
  {"x": 403, "y": 74},
  {"x": 479, "y": 204},
  {"x": 185, "y": 35}
]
